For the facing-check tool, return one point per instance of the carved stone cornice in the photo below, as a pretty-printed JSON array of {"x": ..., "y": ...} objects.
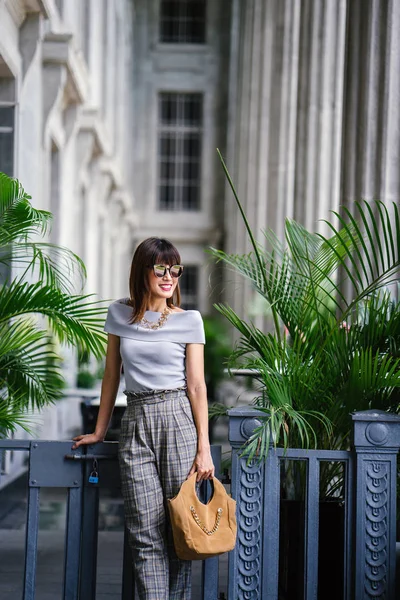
[
  {"x": 37, "y": 6},
  {"x": 124, "y": 200},
  {"x": 90, "y": 120},
  {"x": 18, "y": 9},
  {"x": 109, "y": 167},
  {"x": 57, "y": 50}
]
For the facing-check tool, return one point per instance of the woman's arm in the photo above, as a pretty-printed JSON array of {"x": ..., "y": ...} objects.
[
  {"x": 109, "y": 389},
  {"x": 197, "y": 393}
]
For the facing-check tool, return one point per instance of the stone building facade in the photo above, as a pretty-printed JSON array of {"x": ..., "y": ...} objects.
[
  {"x": 111, "y": 112},
  {"x": 301, "y": 97},
  {"x": 66, "y": 125}
]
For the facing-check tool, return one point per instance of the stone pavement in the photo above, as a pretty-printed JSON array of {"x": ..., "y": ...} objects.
[{"x": 51, "y": 546}]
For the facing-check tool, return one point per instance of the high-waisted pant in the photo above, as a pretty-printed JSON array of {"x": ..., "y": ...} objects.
[{"x": 157, "y": 447}]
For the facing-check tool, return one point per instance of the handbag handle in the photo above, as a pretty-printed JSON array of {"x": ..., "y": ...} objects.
[{"x": 214, "y": 480}]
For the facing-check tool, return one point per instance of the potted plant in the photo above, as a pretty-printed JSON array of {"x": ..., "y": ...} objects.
[
  {"x": 334, "y": 342},
  {"x": 41, "y": 305}
]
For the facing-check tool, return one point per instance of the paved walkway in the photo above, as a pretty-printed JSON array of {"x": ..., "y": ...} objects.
[{"x": 51, "y": 546}]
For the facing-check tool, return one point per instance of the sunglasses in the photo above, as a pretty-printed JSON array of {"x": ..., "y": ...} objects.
[{"x": 175, "y": 271}]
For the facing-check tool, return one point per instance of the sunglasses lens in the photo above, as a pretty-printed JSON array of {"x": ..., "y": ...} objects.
[
  {"x": 176, "y": 270},
  {"x": 159, "y": 270}
]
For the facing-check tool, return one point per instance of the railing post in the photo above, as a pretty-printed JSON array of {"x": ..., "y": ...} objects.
[
  {"x": 247, "y": 489},
  {"x": 376, "y": 443}
]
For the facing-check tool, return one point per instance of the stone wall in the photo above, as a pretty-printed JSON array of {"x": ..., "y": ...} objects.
[{"x": 66, "y": 68}]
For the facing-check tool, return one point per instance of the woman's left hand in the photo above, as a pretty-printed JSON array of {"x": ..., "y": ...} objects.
[{"x": 203, "y": 465}]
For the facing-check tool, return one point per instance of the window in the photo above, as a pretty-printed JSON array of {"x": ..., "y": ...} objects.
[
  {"x": 182, "y": 21},
  {"x": 179, "y": 151},
  {"x": 7, "y": 111},
  {"x": 189, "y": 285}
]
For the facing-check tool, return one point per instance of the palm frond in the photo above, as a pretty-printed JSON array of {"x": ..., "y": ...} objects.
[
  {"x": 29, "y": 367},
  {"x": 54, "y": 266},
  {"x": 18, "y": 218},
  {"x": 12, "y": 416},
  {"x": 76, "y": 320},
  {"x": 373, "y": 243}
]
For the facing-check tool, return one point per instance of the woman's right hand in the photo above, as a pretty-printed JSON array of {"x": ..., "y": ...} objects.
[{"x": 86, "y": 439}]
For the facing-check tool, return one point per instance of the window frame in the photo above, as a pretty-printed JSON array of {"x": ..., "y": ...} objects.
[{"x": 180, "y": 132}]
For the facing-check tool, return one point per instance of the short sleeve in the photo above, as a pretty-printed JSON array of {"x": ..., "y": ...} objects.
[
  {"x": 113, "y": 320},
  {"x": 195, "y": 333}
]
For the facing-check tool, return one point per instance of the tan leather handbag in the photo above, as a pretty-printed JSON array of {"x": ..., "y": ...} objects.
[{"x": 202, "y": 530}]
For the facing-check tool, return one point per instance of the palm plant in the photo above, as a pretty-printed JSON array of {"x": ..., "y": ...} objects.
[
  {"x": 330, "y": 352},
  {"x": 39, "y": 308}
]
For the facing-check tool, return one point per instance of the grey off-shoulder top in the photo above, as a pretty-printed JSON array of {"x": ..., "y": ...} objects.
[{"x": 154, "y": 359}]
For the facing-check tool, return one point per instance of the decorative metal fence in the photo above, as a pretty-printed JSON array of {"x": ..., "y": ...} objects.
[
  {"x": 361, "y": 485},
  {"x": 367, "y": 557},
  {"x": 54, "y": 465}
]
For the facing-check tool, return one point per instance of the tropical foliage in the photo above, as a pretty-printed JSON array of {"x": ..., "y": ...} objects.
[
  {"x": 40, "y": 308},
  {"x": 335, "y": 342}
]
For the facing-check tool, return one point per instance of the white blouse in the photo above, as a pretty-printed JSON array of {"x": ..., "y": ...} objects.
[{"x": 154, "y": 359}]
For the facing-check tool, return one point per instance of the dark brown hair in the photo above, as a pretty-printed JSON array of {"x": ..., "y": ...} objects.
[{"x": 151, "y": 251}]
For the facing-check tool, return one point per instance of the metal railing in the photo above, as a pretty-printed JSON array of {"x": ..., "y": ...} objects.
[
  {"x": 54, "y": 465},
  {"x": 368, "y": 551},
  {"x": 367, "y": 554}
]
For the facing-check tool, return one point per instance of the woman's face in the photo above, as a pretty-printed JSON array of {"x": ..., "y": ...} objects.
[{"x": 162, "y": 287}]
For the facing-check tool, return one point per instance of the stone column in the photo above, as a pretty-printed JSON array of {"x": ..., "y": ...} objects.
[
  {"x": 285, "y": 118},
  {"x": 371, "y": 144},
  {"x": 320, "y": 109}
]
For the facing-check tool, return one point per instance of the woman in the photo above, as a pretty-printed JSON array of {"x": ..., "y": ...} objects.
[{"x": 164, "y": 431}]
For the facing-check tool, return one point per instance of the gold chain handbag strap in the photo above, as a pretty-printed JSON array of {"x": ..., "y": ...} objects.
[{"x": 202, "y": 526}]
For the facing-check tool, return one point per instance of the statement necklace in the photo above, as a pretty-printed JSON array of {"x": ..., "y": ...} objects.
[{"x": 161, "y": 321}]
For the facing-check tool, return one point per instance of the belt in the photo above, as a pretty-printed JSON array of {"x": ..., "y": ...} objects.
[{"x": 150, "y": 395}]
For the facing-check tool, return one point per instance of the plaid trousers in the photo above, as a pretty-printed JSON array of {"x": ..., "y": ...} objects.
[{"x": 157, "y": 447}]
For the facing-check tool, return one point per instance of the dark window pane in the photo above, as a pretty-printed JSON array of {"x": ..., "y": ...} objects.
[
  {"x": 191, "y": 146},
  {"x": 183, "y": 21},
  {"x": 191, "y": 171},
  {"x": 167, "y": 170},
  {"x": 166, "y": 197},
  {"x": 7, "y": 140},
  {"x": 7, "y": 116},
  {"x": 193, "y": 110},
  {"x": 190, "y": 197},
  {"x": 189, "y": 285},
  {"x": 167, "y": 145},
  {"x": 169, "y": 108},
  {"x": 6, "y": 153}
]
